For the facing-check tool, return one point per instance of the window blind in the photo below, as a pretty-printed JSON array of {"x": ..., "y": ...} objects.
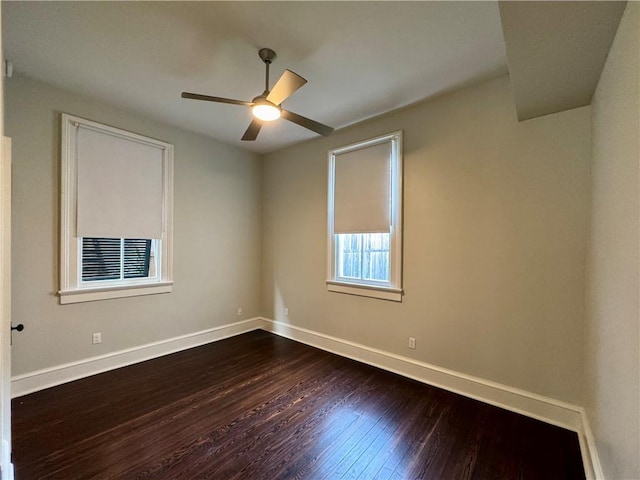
[
  {"x": 115, "y": 258},
  {"x": 101, "y": 258},
  {"x": 362, "y": 190},
  {"x": 119, "y": 186},
  {"x": 136, "y": 257}
]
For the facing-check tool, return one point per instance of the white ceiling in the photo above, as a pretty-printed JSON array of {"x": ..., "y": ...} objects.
[
  {"x": 362, "y": 59},
  {"x": 556, "y": 51}
]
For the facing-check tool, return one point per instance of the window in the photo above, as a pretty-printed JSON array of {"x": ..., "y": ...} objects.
[
  {"x": 116, "y": 213},
  {"x": 363, "y": 257},
  {"x": 116, "y": 259},
  {"x": 365, "y": 218}
]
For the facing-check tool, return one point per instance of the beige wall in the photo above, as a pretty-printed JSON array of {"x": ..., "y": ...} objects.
[
  {"x": 495, "y": 237},
  {"x": 494, "y": 241},
  {"x": 216, "y": 236},
  {"x": 612, "y": 352}
]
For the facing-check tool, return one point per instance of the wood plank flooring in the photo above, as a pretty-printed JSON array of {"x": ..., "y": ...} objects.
[{"x": 258, "y": 406}]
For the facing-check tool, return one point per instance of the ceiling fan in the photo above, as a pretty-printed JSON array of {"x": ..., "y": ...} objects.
[{"x": 267, "y": 106}]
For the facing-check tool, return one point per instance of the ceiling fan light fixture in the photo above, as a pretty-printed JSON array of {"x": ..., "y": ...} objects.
[
  {"x": 266, "y": 107},
  {"x": 265, "y": 111}
]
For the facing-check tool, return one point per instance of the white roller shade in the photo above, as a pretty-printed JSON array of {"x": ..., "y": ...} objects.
[
  {"x": 119, "y": 186},
  {"x": 362, "y": 190}
]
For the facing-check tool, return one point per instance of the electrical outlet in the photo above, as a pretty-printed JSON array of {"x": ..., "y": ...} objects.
[
  {"x": 286, "y": 312},
  {"x": 412, "y": 343},
  {"x": 239, "y": 311},
  {"x": 97, "y": 338}
]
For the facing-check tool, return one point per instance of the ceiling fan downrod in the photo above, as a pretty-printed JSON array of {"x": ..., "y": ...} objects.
[{"x": 267, "y": 56}]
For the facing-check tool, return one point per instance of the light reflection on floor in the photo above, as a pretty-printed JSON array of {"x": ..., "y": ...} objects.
[{"x": 366, "y": 443}]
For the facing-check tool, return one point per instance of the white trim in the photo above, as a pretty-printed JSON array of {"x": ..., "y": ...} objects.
[
  {"x": 539, "y": 407},
  {"x": 50, "y": 377},
  {"x": 395, "y": 227},
  {"x": 586, "y": 458},
  {"x": 590, "y": 451},
  {"x": 69, "y": 251},
  {"x": 384, "y": 293},
  {"x": 6, "y": 461},
  {"x": 520, "y": 401},
  {"x": 120, "y": 291},
  {"x": 6, "y": 467}
]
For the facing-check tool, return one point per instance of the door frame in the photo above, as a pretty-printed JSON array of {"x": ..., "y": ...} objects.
[{"x": 6, "y": 467}]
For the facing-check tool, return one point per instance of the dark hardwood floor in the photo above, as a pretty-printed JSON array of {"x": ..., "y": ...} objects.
[{"x": 258, "y": 406}]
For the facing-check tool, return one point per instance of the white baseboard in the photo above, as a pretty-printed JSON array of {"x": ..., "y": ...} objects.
[
  {"x": 542, "y": 408},
  {"x": 7, "y": 466},
  {"x": 49, "y": 377},
  {"x": 590, "y": 449},
  {"x": 549, "y": 410}
]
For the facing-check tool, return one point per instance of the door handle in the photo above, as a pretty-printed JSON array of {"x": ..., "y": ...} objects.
[{"x": 18, "y": 327}]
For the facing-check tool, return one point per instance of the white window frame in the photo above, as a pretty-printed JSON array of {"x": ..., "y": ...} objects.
[
  {"x": 393, "y": 289},
  {"x": 72, "y": 288}
]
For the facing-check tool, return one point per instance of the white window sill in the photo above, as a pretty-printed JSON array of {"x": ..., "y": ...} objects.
[
  {"x": 383, "y": 293},
  {"x": 121, "y": 291}
]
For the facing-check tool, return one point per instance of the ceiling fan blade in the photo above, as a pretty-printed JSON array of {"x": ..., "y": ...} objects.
[
  {"x": 286, "y": 85},
  {"x": 197, "y": 96},
  {"x": 305, "y": 122},
  {"x": 253, "y": 130}
]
